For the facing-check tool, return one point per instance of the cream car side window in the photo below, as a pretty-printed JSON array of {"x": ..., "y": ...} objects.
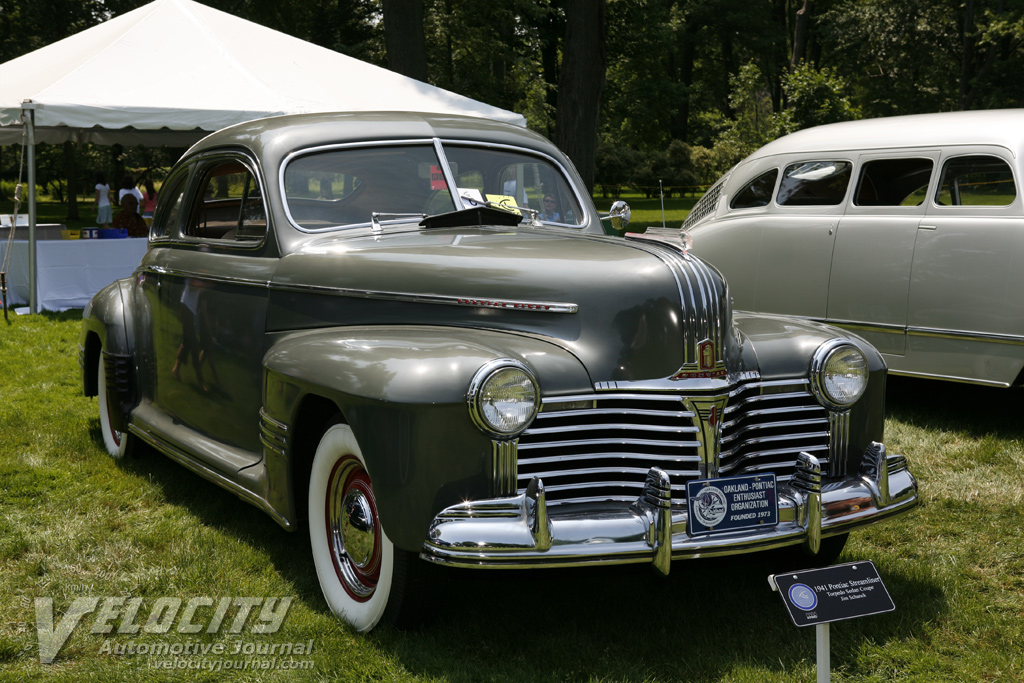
[
  {"x": 814, "y": 183},
  {"x": 978, "y": 180},
  {"x": 893, "y": 182},
  {"x": 758, "y": 192}
]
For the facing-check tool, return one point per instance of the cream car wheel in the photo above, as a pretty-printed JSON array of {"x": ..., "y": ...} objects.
[
  {"x": 354, "y": 557},
  {"x": 118, "y": 444}
]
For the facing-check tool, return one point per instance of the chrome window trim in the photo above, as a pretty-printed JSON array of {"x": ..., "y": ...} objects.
[
  {"x": 438, "y": 145},
  {"x": 587, "y": 218},
  {"x": 286, "y": 162},
  {"x": 196, "y": 175}
]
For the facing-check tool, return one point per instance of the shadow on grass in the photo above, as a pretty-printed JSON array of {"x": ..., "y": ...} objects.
[
  {"x": 705, "y": 621},
  {"x": 218, "y": 508},
  {"x": 975, "y": 410}
]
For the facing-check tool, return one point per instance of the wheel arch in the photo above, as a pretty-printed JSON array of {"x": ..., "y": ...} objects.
[{"x": 105, "y": 326}]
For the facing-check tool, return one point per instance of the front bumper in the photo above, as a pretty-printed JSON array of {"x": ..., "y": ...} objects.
[{"x": 523, "y": 531}]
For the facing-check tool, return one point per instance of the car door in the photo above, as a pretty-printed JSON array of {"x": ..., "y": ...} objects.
[
  {"x": 795, "y": 253},
  {"x": 210, "y": 319},
  {"x": 874, "y": 247},
  {"x": 965, "y": 312}
]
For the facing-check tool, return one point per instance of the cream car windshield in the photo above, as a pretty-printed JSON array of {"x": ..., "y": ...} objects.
[{"x": 348, "y": 186}]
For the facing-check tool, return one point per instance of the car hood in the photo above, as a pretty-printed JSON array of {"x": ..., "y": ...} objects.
[{"x": 629, "y": 311}]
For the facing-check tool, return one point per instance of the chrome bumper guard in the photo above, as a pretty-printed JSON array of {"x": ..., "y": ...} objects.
[{"x": 522, "y": 531}]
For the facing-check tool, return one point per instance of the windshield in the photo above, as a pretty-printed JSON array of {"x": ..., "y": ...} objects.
[{"x": 345, "y": 186}]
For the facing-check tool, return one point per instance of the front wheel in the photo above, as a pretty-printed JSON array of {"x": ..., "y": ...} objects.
[
  {"x": 118, "y": 444},
  {"x": 364, "y": 578}
]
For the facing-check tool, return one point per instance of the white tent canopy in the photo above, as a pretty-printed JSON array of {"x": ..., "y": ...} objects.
[{"x": 172, "y": 71}]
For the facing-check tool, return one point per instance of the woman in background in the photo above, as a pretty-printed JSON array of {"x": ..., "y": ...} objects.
[
  {"x": 148, "y": 201},
  {"x": 104, "y": 214},
  {"x": 128, "y": 187}
]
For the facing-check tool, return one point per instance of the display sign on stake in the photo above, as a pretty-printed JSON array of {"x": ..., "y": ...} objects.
[{"x": 817, "y": 597}]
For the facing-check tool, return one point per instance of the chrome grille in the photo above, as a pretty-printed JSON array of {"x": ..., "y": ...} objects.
[
  {"x": 706, "y": 205},
  {"x": 599, "y": 447}
]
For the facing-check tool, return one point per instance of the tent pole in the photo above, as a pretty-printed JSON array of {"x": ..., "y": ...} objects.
[{"x": 29, "y": 114}]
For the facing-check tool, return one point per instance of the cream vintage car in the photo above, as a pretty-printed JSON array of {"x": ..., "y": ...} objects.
[
  {"x": 908, "y": 231},
  {"x": 371, "y": 327}
]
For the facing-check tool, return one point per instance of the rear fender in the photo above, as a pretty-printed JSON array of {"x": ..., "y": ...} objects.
[{"x": 105, "y": 326}]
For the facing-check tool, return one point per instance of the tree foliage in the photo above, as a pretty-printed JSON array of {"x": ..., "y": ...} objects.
[{"x": 678, "y": 89}]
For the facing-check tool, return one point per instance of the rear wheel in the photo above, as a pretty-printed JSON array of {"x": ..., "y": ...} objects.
[
  {"x": 364, "y": 578},
  {"x": 118, "y": 444}
]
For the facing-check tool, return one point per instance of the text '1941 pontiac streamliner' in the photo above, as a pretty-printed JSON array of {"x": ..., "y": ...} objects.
[{"x": 409, "y": 333}]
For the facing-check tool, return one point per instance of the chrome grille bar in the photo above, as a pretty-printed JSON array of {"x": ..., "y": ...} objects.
[{"x": 599, "y": 446}]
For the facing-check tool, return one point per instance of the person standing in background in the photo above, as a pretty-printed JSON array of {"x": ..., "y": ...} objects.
[
  {"x": 104, "y": 214},
  {"x": 128, "y": 187},
  {"x": 148, "y": 201}
]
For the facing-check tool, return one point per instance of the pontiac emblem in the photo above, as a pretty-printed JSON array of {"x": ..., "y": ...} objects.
[
  {"x": 708, "y": 412},
  {"x": 706, "y": 354}
]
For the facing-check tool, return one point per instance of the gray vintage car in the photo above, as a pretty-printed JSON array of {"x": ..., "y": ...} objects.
[{"x": 409, "y": 334}]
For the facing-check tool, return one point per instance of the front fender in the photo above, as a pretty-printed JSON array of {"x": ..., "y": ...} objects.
[
  {"x": 784, "y": 347},
  {"x": 403, "y": 389}
]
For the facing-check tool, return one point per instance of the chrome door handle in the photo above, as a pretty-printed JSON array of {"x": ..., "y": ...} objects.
[{"x": 927, "y": 227}]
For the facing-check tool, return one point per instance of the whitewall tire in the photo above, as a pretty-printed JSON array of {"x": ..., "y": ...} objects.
[{"x": 354, "y": 557}]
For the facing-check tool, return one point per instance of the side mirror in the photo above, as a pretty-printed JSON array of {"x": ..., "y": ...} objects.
[{"x": 619, "y": 216}]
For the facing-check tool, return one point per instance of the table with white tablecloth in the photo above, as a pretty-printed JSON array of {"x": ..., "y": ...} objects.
[{"x": 69, "y": 272}]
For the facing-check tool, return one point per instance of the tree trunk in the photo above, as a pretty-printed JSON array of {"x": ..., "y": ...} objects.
[
  {"x": 688, "y": 55},
  {"x": 580, "y": 84},
  {"x": 71, "y": 171},
  {"x": 803, "y": 26},
  {"x": 967, "y": 57},
  {"x": 404, "y": 38}
]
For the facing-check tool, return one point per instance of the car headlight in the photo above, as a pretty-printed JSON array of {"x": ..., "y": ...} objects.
[
  {"x": 839, "y": 374},
  {"x": 503, "y": 397}
]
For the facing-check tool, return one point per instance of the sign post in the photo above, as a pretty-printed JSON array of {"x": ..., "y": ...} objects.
[{"x": 817, "y": 597}]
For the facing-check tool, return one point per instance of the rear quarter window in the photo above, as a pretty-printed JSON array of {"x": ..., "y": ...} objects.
[
  {"x": 758, "y": 192},
  {"x": 978, "y": 180}
]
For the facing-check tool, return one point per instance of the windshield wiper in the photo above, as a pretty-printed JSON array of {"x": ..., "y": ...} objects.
[
  {"x": 475, "y": 215},
  {"x": 375, "y": 223}
]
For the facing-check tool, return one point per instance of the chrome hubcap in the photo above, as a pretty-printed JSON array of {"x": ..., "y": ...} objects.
[
  {"x": 353, "y": 529},
  {"x": 357, "y": 532}
]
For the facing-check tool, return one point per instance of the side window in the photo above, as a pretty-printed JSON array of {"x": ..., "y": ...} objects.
[
  {"x": 229, "y": 205},
  {"x": 893, "y": 182},
  {"x": 169, "y": 205},
  {"x": 758, "y": 192},
  {"x": 976, "y": 181},
  {"x": 814, "y": 183}
]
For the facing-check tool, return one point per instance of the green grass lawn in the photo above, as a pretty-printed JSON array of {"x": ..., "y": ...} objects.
[{"x": 74, "y": 523}]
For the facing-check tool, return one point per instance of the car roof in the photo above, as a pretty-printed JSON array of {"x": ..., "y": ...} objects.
[
  {"x": 1003, "y": 127},
  {"x": 283, "y": 134}
]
